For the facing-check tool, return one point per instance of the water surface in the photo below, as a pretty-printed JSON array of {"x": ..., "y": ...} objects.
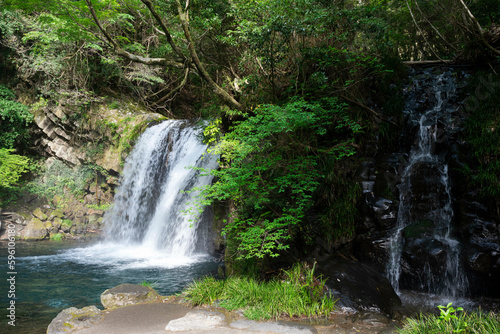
[{"x": 52, "y": 276}]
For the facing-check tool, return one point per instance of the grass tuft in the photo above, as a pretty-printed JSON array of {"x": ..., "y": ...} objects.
[{"x": 299, "y": 293}]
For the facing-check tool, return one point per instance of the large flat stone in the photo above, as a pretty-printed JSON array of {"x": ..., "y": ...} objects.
[{"x": 196, "y": 320}]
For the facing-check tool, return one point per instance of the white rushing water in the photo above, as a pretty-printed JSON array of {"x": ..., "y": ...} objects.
[
  {"x": 150, "y": 204},
  {"x": 147, "y": 226}
]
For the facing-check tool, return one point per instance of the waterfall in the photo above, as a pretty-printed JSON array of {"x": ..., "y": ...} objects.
[
  {"x": 150, "y": 203},
  {"x": 425, "y": 210}
]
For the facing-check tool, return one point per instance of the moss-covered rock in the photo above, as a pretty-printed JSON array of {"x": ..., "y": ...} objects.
[
  {"x": 66, "y": 225},
  {"x": 128, "y": 294},
  {"x": 39, "y": 214},
  {"x": 57, "y": 213},
  {"x": 35, "y": 230},
  {"x": 57, "y": 222},
  {"x": 72, "y": 319},
  {"x": 50, "y": 227}
]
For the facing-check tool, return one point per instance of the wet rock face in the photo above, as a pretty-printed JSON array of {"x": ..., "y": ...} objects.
[
  {"x": 475, "y": 228},
  {"x": 428, "y": 192},
  {"x": 481, "y": 245},
  {"x": 358, "y": 285}
]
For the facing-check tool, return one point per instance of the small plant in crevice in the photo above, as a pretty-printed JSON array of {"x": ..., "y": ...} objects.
[
  {"x": 148, "y": 284},
  {"x": 452, "y": 320},
  {"x": 448, "y": 313}
]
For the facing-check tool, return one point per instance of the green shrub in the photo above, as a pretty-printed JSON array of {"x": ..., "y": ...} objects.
[
  {"x": 14, "y": 119},
  {"x": 271, "y": 168},
  {"x": 148, "y": 284},
  {"x": 57, "y": 178},
  {"x": 11, "y": 167},
  {"x": 56, "y": 237}
]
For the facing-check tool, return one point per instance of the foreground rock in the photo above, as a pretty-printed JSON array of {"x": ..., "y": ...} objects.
[
  {"x": 196, "y": 320},
  {"x": 170, "y": 316},
  {"x": 72, "y": 319},
  {"x": 128, "y": 294}
]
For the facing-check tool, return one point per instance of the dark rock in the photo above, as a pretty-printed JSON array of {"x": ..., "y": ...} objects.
[
  {"x": 479, "y": 261},
  {"x": 359, "y": 285}
]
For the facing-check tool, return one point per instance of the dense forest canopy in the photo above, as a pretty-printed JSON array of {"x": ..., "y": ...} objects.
[{"x": 295, "y": 88}]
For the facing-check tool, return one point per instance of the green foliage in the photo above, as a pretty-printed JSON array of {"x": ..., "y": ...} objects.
[
  {"x": 481, "y": 130},
  {"x": 269, "y": 169},
  {"x": 298, "y": 293},
  {"x": 448, "y": 312},
  {"x": 14, "y": 119},
  {"x": 102, "y": 207},
  {"x": 148, "y": 284},
  {"x": 309, "y": 47},
  {"x": 338, "y": 197},
  {"x": 12, "y": 166},
  {"x": 56, "y": 237},
  {"x": 449, "y": 322},
  {"x": 57, "y": 178}
]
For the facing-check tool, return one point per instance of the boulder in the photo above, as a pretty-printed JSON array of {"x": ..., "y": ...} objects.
[
  {"x": 73, "y": 319},
  {"x": 66, "y": 225},
  {"x": 50, "y": 227},
  {"x": 57, "y": 222},
  {"x": 39, "y": 214},
  {"x": 35, "y": 230},
  {"x": 128, "y": 294},
  {"x": 78, "y": 228},
  {"x": 57, "y": 213}
]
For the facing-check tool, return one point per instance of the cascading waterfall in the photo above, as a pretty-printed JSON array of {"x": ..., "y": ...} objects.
[
  {"x": 425, "y": 201},
  {"x": 150, "y": 204}
]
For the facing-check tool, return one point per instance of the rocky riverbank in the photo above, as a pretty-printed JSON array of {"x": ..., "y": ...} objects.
[
  {"x": 55, "y": 220},
  {"x": 131, "y": 309}
]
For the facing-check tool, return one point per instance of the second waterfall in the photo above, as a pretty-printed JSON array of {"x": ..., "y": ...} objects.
[{"x": 424, "y": 255}]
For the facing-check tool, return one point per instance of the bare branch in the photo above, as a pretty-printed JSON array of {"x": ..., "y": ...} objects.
[
  {"x": 226, "y": 97},
  {"x": 126, "y": 54},
  {"x": 480, "y": 31},
  {"x": 101, "y": 28},
  {"x": 421, "y": 32},
  {"x": 148, "y": 60},
  {"x": 176, "y": 89},
  {"x": 155, "y": 14},
  {"x": 434, "y": 28}
]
